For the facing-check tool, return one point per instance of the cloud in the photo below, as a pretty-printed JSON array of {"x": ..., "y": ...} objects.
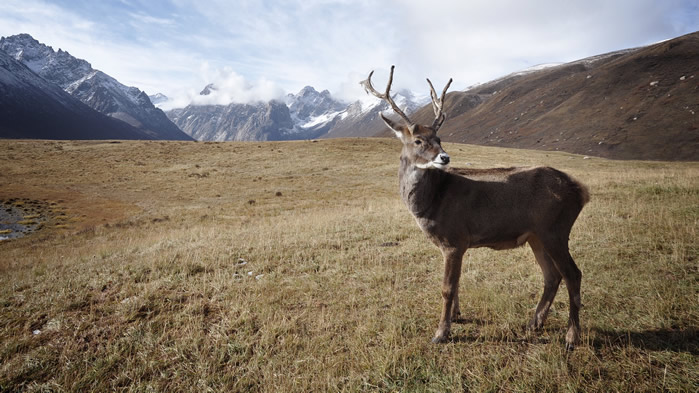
[
  {"x": 479, "y": 40},
  {"x": 228, "y": 87},
  {"x": 39, "y": 19},
  {"x": 140, "y": 18},
  {"x": 333, "y": 44},
  {"x": 155, "y": 64},
  {"x": 231, "y": 87},
  {"x": 298, "y": 43}
]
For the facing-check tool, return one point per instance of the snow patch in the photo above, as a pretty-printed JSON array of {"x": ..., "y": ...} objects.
[
  {"x": 536, "y": 68},
  {"x": 321, "y": 119}
]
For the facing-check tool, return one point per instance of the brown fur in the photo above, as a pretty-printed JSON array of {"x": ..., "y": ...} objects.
[{"x": 500, "y": 208}]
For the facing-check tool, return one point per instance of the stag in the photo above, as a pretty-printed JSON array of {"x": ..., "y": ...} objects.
[{"x": 499, "y": 208}]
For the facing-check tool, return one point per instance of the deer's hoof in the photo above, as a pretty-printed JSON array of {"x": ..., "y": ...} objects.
[
  {"x": 534, "y": 325},
  {"x": 440, "y": 339},
  {"x": 572, "y": 339}
]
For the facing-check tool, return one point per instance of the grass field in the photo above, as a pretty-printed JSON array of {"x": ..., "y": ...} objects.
[{"x": 295, "y": 267}]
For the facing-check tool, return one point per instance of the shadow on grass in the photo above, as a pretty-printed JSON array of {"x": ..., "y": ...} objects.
[
  {"x": 520, "y": 335},
  {"x": 673, "y": 340},
  {"x": 685, "y": 339},
  {"x": 464, "y": 320},
  {"x": 475, "y": 338}
]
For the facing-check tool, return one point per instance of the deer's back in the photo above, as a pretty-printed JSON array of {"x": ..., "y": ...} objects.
[
  {"x": 500, "y": 205},
  {"x": 523, "y": 183}
]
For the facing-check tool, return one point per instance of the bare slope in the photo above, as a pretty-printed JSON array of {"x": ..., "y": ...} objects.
[{"x": 633, "y": 104}]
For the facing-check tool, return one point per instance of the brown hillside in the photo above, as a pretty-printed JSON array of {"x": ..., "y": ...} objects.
[{"x": 633, "y": 104}]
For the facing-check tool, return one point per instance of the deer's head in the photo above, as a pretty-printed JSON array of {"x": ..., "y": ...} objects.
[{"x": 421, "y": 145}]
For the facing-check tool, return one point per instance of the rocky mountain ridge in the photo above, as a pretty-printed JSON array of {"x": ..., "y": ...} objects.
[
  {"x": 307, "y": 114},
  {"x": 33, "y": 108},
  {"x": 93, "y": 87},
  {"x": 234, "y": 122}
]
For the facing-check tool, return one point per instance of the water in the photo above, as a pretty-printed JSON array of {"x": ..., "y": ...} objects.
[{"x": 14, "y": 224}]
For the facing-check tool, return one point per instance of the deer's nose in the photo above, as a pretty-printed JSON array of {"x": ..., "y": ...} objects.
[{"x": 444, "y": 157}]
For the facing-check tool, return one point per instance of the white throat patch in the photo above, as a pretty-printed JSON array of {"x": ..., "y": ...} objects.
[{"x": 431, "y": 165}]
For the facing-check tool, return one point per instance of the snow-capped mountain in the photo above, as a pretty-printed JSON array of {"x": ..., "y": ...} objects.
[
  {"x": 31, "y": 107},
  {"x": 208, "y": 89},
  {"x": 308, "y": 104},
  {"x": 361, "y": 118},
  {"x": 319, "y": 115},
  {"x": 95, "y": 88},
  {"x": 305, "y": 115},
  {"x": 313, "y": 113},
  {"x": 158, "y": 98}
]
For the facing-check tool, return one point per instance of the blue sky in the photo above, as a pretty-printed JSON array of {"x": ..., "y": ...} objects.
[{"x": 264, "y": 49}]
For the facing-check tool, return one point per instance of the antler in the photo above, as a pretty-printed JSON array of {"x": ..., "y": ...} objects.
[
  {"x": 437, "y": 105},
  {"x": 385, "y": 96}
]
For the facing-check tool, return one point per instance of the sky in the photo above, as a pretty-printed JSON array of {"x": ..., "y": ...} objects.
[{"x": 263, "y": 49}]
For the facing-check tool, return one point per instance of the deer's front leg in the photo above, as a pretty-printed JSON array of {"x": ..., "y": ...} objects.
[
  {"x": 450, "y": 294},
  {"x": 455, "y": 310}
]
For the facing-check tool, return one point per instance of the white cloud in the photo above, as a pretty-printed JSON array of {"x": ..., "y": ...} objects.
[
  {"x": 39, "y": 19},
  {"x": 231, "y": 87},
  {"x": 254, "y": 50},
  {"x": 153, "y": 65},
  {"x": 299, "y": 43},
  {"x": 228, "y": 87},
  {"x": 141, "y": 18},
  {"x": 479, "y": 40}
]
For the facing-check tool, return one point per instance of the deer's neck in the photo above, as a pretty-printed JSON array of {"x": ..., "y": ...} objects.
[{"x": 420, "y": 188}]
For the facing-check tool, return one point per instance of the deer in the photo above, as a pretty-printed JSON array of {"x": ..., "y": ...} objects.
[{"x": 499, "y": 208}]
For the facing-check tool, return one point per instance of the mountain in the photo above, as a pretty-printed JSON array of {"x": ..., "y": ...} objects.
[
  {"x": 313, "y": 112},
  {"x": 33, "y": 108},
  {"x": 638, "y": 103},
  {"x": 268, "y": 121},
  {"x": 208, "y": 89},
  {"x": 305, "y": 115},
  {"x": 158, "y": 98},
  {"x": 361, "y": 118},
  {"x": 95, "y": 88},
  {"x": 309, "y": 103}
]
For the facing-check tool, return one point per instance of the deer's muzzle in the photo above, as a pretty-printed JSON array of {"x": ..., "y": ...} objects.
[{"x": 443, "y": 157}]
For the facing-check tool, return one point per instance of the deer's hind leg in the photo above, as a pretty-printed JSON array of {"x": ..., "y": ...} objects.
[
  {"x": 559, "y": 253},
  {"x": 552, "y": 280}
]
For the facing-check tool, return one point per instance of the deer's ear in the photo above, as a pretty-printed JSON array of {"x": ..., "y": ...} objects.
[{"x": 397, "y": 129}]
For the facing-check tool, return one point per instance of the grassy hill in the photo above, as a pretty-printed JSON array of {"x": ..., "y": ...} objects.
[
  {"x": 294, "y": 266},
  {"x": 632, "y": 104}
]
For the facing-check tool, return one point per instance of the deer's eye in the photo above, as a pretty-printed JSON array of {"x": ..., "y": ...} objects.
[{"x": 418, "y": 142}]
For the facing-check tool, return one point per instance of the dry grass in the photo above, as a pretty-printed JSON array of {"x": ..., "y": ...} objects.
[{"x": 167, "y": 266}]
